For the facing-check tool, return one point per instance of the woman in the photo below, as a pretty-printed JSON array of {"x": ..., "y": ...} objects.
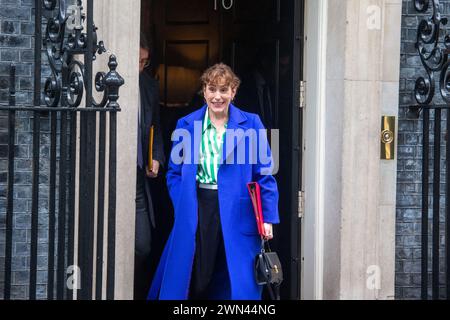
[{"x": 214, "y": 240}]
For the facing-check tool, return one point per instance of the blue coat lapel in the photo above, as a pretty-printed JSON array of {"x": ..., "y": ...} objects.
[
  {"x": 194, "y": 127},
  {"x": 235, "y": 121}
]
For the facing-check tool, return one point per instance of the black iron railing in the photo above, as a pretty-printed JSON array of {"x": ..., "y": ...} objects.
[
  {"x": 70, "y": 85},
  {"x": 433, "y": 45}
]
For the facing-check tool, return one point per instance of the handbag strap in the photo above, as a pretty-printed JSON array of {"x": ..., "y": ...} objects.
[{"x": 263, "y": 245}]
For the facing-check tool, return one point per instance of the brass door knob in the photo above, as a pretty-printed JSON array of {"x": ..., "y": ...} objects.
[{"x": 387, "y": 136}]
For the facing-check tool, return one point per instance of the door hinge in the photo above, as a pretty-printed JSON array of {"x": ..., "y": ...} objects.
[
  {"x": 302, "y": 96},
  {"x": 301, "y": 204}
]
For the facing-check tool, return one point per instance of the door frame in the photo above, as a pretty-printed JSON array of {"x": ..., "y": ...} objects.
[
  {"x": 313, "y": 166},
  {"x": 296, "y": 158},
  {"x": 297, "y": 151}
]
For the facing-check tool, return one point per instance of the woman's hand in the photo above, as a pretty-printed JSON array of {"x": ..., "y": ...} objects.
[
  {"x": 268, "y": 231},
  {"x": 154, "y": 172}
]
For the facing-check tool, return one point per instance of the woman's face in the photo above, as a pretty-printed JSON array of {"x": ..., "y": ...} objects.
[{"x": 219, "y": 96}]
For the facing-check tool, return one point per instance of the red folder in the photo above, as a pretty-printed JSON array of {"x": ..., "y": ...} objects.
[{"x": 255, "y": 196}]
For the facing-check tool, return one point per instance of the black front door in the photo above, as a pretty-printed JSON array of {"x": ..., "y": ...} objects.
[{"x": 262, "y": 41}]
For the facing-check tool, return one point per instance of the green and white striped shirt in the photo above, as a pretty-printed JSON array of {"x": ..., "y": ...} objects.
[{"x": 210, "y": 152}]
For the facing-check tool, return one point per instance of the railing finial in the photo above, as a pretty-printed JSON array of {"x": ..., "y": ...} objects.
[{"x": 113, "y": 82}]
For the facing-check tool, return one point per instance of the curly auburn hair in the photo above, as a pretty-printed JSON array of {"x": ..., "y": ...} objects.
[{"x": 217, "y": 74}]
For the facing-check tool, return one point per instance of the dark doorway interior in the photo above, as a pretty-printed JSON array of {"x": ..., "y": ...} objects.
[{"x": 262, "y": 41}]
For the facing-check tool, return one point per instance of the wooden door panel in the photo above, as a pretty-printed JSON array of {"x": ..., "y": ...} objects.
[
  {"x": 186, "y": 41},
  {"x": 251, "y": 11},
  {"x": 257, "y": 64},
  {"x": 187, "y": 12},
  {"x": 183, "y": 65}
]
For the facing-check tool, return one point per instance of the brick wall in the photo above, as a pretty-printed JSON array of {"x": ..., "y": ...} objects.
[
  {"x": 409, "y": 184},
  {"x": 17, "y": 45}
]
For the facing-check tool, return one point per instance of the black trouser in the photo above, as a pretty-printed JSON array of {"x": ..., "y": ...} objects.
[
  {"x": 142, "y": 240},
  {"x": 210, "y": 267}
]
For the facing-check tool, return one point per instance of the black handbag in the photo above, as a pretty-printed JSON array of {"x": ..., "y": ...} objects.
[{"x": 268, "y": 270}]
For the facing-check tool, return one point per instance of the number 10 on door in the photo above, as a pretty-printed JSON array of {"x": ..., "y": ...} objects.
[{"x": 226, "y": 4}]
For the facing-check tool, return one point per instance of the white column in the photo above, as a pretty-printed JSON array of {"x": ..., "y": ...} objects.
[
  {"x": 314, "y": 142},
  {"x": 354, "y": 216},
  {"x": 118, "y": 25}
]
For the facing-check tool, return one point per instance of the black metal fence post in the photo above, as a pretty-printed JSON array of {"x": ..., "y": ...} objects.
[
  {"x": 52, "y": 208},
  {"x": 425, "y": 164},
  {"x": 10, "y": 194},
  {"x": 436, "y": 201},
  {"x": 110, "y": 282},
  {"x": 447, "y": 208},
  {"x": 100, "y": 206}
]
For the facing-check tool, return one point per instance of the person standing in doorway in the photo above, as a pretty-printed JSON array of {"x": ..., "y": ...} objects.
[
  {"x": 148, "y": 117},
  {"x": 210, "y": 252}
]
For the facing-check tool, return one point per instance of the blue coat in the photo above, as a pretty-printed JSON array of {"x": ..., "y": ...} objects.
[{"x": 241, "y": 239}]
